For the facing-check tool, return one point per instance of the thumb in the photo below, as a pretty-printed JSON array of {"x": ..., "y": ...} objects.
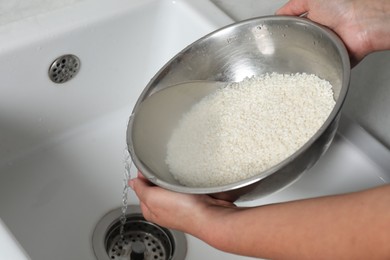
[{"x": 293, "y": 7}]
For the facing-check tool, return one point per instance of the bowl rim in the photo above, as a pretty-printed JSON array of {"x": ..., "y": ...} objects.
[{"x": 327, "y": 33}]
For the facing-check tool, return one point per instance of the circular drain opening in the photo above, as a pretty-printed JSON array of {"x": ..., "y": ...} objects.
[
  {"x": 64, "y": 68},
  {"x": 152, "y": 241},
  {"x": 141, "y": 239}
]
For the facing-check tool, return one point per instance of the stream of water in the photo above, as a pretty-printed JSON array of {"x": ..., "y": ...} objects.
[{"x": 125, "y": 192}]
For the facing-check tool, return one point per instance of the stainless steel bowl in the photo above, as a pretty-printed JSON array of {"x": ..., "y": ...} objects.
[{"x": 252, "y": 47}]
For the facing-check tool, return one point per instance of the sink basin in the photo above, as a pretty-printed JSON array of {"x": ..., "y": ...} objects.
[{"x": 62, "y": 146}]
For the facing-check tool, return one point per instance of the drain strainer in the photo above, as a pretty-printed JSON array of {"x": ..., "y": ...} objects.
[
  {"x": 64, "y": 68},
  {"x": 142, "y": 240}
]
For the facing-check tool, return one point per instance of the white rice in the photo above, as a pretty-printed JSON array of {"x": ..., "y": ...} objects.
[{"x": 247, "y": 127}]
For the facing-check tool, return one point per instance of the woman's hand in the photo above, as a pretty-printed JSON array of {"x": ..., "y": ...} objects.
[
  {"x": 363, "y": 25},
  {"x": 354, "y": 226},
  {"x": 185, "y": 212}
]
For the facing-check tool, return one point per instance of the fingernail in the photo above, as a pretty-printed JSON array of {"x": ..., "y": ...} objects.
[{"x": 131, "y": 184}]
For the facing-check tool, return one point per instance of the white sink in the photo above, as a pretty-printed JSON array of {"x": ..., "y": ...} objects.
[{"x": 62, "y": 145}]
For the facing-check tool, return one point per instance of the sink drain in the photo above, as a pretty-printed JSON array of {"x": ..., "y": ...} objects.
[
  {"x": 142, "y": 240},
  {"x": 64, "y": 68}
]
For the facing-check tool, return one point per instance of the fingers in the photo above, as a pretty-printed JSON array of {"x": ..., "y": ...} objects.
[
  {"x": 293, "y": 7},
  {"x": 139, "y": 175},
  {"x": 158, "y": 204},
  {"x": 141, "y": 186},
  {"x": 143, "y": 189},
  {"x": 165, "y": 207}
]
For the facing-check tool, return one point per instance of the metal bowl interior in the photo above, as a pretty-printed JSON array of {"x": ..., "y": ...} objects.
[{"x": 253, "y": 47}]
